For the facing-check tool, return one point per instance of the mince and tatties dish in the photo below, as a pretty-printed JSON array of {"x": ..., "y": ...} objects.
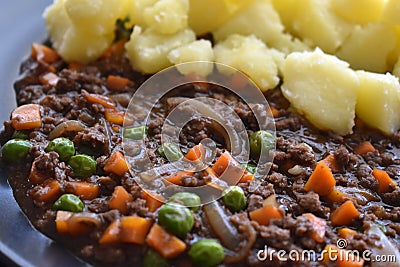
[{"x": 328, "y": 196}]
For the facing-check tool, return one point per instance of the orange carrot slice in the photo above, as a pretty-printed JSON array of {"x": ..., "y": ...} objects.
[
  {"x": 116, "y": 164},
  {"x": 364, "y": 148},
  {"x": 114, "y": 116},
  {"x": 153, "y": 201},
  {"x": 100, "y": 99},
  {"x": 48, "y": 191},
  {"x": 84, "y": 190},
  {"x": 168, "y": 245},
  {"x": 26, "y": 117},
  {"x": 384, "y": 180},
  {"x": 44, "y": 53},
  {"x": 119, "y": 199},
  {"x": 321, "y": 180},
  {"x": 117, "y": 83},
  {"x": 319, "y": 225},
  {"x": 345, "y": 214},
  {"x": 264, "y": 215}
]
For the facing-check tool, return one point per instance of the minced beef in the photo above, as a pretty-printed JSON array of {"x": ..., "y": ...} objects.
[{"x": 299, "y": 147}]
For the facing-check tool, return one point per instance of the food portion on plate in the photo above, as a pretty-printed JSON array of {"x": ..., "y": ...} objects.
[{"x": 306, "y": 179}]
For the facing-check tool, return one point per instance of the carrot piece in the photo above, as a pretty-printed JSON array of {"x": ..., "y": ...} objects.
[
  {"x": 264, "y": 215},
  {"x": 197, "y": 152},
  {"x": 117, "y": 83},
  {"x": 114, "y": 116},
  {"x": 62, "y": 218},
  {"x": 384, "y": 180},
  {"x": 115, "y": 49},
  {"x": 35, "y": 176},
  {"x": 100, "y": 99},
  {"x": 64, "y": 224},
  {"x": 247, "y": 176},
  {"x": 74, "y": 65},
  {"x": 84, "y": 190},
  {"x": 119, "y": 199},
  {"x": 343, "y": 257},
  {"x": 115, "y": 129},
  {"x": 176, "y": 178},
  {"x": 168, "y": 245},
  {"x": 49, "y": 78},
  {"x": 331, "y": 162},
  {"x": 153, "y": 201},
  {"x": 222, "y": 163},
  {"x": 134, "y": 229},
  {"x": 364, "y": 148},
  {"x": 346, "y": 233},
  {"x": 44, "y": 53},
  {"x": 321, "y": 180},
  {"x": 116, "y": 164},
  {"x": 274, "y": 112},
  {"x": 129, "y": 229},
  {"x": 111, "y": 234},
  {"x": 319, "y": 225},
  {"x": 26, "y": 117},
  {"x": 345, "y": 214},
  {"x": 48, "y": 191},
  {"x": 336, "y": 196}
]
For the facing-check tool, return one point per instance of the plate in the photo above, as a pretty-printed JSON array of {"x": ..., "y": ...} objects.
[{"x": 21, "y": 25}]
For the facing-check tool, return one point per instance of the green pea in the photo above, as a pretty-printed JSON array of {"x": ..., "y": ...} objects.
[
  {"x": 153, "y": 259},
  {"x": 207, "y": 253},
  {"x": 69, "y": 202},
  {"x": 261, "y": 141},
  {"x": 63, "y": 146},
  {"x": 250, "y": 167},
  {"x": 170, "y": 151},
  {"x": 190, "y": 200},
  {"x": 15, "y": 150},
  {"x": 136, "y": 133},
  {"x": 234, "y": 198},
  {"x": 20, "y": 135},
  {"x": 176, "y": 218},
  {"x": 82, "y": 165}
]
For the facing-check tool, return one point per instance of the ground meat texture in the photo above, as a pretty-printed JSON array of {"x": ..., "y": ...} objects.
[{"x": 299, "y": 147}]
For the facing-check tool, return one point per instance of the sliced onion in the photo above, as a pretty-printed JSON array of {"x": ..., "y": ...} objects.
[
  {"x": 362, "y": 196},
  {"x": 158, "y": 172},
  {"x": 69, "y": 126},
  {"x": 245, "y": 250},
  {"x": 87, "y": 218},
  {"x": 270, "y": 201},
  {"x": 387, "y": 248},
  {"x": 122, "y": 99},
  {"x": 221, "y": 225}
]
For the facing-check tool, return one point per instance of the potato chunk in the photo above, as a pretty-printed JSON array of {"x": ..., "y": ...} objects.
[
  {"x": 206, "y": 15},
  {"x": 378, "y": 101},
  {"x": 359, "y": 11},
  {"x": 250, "y": 55},
  {"x": 82, "y": 29},
  {"x": 78, "y": 45},
  {"x": 322, "y": 88},
  {"x": 314, "y": 21},
  {"x": 261, "y": 19},
  {"x": 167, "y": 16},
  {"x": 200, "y": 50},
  {"x": 369, "y": 47},
  {"x": 96, "y": 16},
  {"x": 148, "y": 50},
  {"x": 136, "y": 11},
  {"x": 391, "y": 12}
]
